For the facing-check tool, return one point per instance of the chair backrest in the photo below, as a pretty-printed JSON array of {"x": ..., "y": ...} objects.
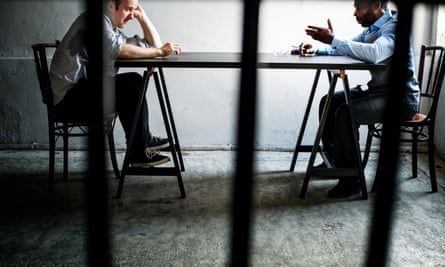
[
  {"x": 430, "y": 76},
  {"x": 40, "y": 58}
]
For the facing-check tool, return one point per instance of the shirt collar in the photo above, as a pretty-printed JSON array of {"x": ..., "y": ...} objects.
[
  {"x": 387, "y": 15},
  {"x": 108, "y": 21}
]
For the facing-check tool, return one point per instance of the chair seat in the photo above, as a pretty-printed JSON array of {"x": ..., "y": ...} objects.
[
  {"x": 419, "y": 117},
  {"x": 79, "y": 119},
  {"x": 71, "y": 119}
]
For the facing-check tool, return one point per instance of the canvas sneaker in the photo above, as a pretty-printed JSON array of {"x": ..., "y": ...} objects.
[
  {"x": 151, "y": 159},
  {"x": 157, "y": 143}
]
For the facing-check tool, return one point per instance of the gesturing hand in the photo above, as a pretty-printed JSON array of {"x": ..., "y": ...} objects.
[{"x": 324, "y": 35}]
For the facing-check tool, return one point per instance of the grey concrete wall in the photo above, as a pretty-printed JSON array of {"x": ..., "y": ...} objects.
[
  {"x": 22, "y": 114},
  {"x": 204, "y": 101}
]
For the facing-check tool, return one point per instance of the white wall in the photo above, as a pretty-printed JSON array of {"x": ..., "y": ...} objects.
[{"x": 204, "y": 101}]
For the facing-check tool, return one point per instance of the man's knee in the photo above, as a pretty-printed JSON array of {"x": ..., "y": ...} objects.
[{"x": 342, "y": 113}]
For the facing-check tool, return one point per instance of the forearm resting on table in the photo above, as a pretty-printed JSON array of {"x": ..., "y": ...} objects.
[{"x": 132, "y": 51}]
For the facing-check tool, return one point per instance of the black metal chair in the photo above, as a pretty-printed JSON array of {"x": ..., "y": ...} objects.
[
  {"x": 421, "y": 128},
  {"x": 62, "y": 125}
]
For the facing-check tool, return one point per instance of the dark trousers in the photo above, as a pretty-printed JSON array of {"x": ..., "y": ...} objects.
[
  {"x": 338, "y": 136},
  {"x": 78, "y": 102}
]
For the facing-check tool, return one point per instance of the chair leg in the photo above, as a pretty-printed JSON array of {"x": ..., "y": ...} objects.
[
  {"x": 65, "y": 151},
  {"x": 414, "y": 154},
  {"x": 367, "y": 152},
  {"x": 52, "y": 151},
  {"x": 432, "y": 164},
  {"x": 367, "y": 146},
  {"x": 112, "y": 149}
]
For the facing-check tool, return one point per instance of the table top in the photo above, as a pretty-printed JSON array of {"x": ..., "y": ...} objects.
[{"x": 265, "y": 60}]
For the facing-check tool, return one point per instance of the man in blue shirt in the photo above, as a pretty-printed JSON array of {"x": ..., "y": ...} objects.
[
  {"x": 72, "y": 89},
  {"x": 376, "y": 45}
]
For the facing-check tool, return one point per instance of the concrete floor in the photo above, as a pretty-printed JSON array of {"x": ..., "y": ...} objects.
[{"x": 151, "y": 226}]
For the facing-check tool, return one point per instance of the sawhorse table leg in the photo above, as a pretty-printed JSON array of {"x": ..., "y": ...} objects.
[
  {"x": 315, "y": 148},
  {"x": 170, "y": 127}
]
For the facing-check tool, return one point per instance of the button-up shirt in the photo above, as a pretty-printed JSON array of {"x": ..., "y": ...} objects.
[
  {"x": 70, "y": 60},
  {"x": 376, "y": 45}
]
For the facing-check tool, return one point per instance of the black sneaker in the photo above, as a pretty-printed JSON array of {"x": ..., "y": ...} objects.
[
  {"x": 345, "y": 189},
  {"x": 157, "y": 143},
  {"x": 151, "y": 159}
]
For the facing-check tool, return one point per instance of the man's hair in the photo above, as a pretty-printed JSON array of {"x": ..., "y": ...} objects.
[
  {"x": 116, "y": 3},
  {"x": 383, "y": 2}
]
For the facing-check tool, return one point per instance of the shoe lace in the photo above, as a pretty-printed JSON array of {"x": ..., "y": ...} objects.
[{"x": 151, "y": 153}]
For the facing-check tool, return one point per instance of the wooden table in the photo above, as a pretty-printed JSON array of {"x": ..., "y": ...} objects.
[{"x": 335, "y": 65}]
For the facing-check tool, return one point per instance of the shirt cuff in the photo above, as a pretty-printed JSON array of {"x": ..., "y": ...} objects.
[
  {"x": 326, "y": 51},
  {"x": 336, "y": 43}
]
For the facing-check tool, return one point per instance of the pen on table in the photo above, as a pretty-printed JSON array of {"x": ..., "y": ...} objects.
[{"x": 301, "y": 49}]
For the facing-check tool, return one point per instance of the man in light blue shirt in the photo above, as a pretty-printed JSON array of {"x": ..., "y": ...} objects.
[
  {"x": 71, "y": 87},
  {"x": 375, "y": 45}
]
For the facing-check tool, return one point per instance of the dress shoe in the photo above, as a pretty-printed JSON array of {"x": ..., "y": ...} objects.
[{"x": 345, "y": 189}]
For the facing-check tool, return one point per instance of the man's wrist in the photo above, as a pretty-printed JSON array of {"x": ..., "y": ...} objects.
[
  {"x": 160, "y": 52},
  {"x": 335, "y": 43}
]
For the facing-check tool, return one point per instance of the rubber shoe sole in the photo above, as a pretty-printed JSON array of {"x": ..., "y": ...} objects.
[{"x": 156, "y": 160}]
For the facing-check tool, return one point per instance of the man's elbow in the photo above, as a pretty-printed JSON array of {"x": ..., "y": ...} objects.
[
  {"x": 374, "y": 60},
  {"x": 125, "y": 52}
]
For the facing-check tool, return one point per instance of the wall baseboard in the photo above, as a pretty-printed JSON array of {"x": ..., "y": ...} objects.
[{"x": 77, "y": 147}]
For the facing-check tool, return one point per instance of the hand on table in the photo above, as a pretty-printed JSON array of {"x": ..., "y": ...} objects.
[{"x": 170, "y": 48}]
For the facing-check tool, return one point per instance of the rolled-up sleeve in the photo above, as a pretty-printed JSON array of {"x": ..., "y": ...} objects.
[
  {"x": 375, "y": 44},
  {"x": 138, "y": 41}
]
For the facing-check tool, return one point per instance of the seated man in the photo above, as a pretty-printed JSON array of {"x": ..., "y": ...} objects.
[
  {"x": 376, "y": 45},
  {"x": 71, "y": 87}
]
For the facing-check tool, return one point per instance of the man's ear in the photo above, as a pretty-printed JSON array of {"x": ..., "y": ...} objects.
[
  {"x": 378, "y": 5},
  {"x": 110, "y": 6}
]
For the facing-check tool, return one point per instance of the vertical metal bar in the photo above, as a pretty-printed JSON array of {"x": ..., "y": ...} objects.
[
  {"x": 242, "y": 199},
  {"x": 98, "y": 245},
  {"x": 388, "y": 156}
]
